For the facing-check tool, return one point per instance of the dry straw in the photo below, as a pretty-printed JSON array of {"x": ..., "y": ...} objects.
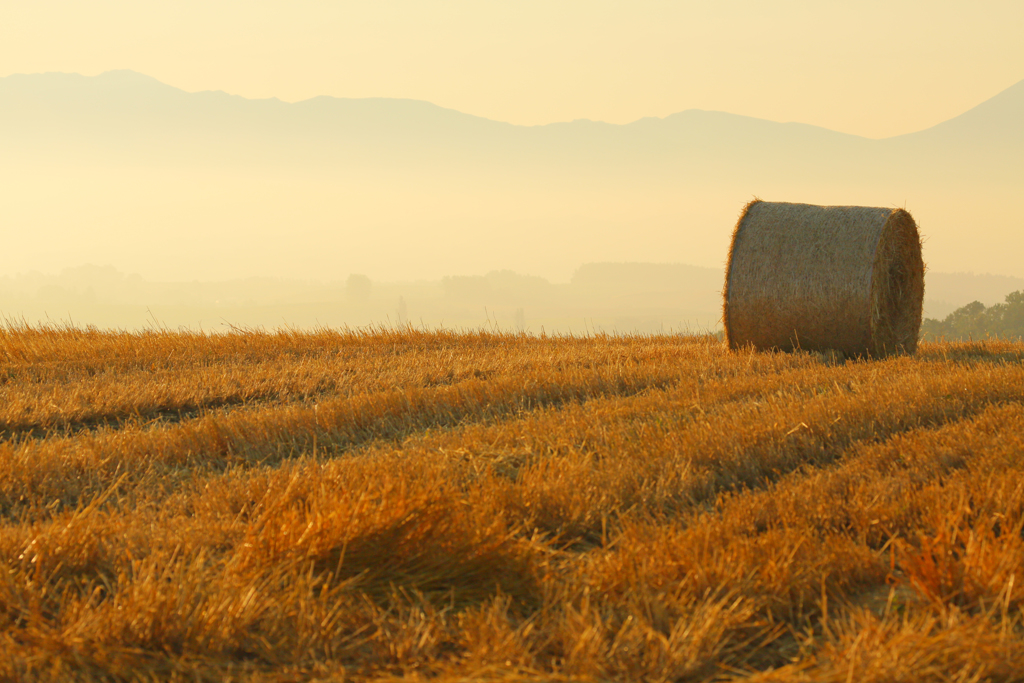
[{"x": 844, "y": 278}]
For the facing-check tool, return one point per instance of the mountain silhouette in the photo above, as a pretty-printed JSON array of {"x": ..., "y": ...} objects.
[
  {"x": 994, "y": 121},
  {"x": 394, "y": 186},
  {"x": 125, "y": 105}
]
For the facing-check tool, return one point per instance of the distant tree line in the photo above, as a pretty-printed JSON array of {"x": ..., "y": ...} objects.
[{"x": 975, "y": 321}]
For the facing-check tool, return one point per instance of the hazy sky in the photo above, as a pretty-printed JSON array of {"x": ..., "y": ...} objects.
[{"x": 874, "y": 68}]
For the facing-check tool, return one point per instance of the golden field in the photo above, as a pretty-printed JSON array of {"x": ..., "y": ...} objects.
[{"x": 482, "y": 506}]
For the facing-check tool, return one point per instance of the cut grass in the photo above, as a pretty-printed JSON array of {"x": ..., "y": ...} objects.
[{"x": 486, "y": 506}]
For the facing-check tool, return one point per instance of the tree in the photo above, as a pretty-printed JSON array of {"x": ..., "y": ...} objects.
[
  {"x": 403, "y": 311},
  {"x": 358, "y": 287},
  {"x": 974, "y": 321}
]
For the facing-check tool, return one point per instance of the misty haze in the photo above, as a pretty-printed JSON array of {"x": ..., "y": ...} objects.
[
  {"x": 599, "y": 297},
  {"x": 213, "y": 209}
]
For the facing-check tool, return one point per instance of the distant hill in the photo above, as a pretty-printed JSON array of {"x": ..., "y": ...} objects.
[
  {"x": 623, "y": 297},
  {"x": 610, "y": 297},
  {"x": 122, "y": 168},
  {"x": 131, "y": 116},
  {"x": 124, "y": 105},
  {"x": 995, "y": 122}
]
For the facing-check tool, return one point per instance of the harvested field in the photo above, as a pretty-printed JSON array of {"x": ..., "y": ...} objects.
[{"x": 477, "y": 506}]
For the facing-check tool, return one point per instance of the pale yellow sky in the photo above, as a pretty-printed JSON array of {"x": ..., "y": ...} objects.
[{"x": 874, "y": 68}]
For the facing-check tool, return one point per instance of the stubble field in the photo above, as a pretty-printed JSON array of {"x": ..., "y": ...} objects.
[{"x": 485, "y": 506}]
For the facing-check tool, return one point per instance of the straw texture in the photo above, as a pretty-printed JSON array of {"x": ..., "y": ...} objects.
[{"x": 844, "y": 278}]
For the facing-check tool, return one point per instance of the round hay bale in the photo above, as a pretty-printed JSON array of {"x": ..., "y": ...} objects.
[{"x": 819, "y": 278}]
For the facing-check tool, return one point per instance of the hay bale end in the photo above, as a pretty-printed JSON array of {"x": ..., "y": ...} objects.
[{"x": 820, "y": 278}]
